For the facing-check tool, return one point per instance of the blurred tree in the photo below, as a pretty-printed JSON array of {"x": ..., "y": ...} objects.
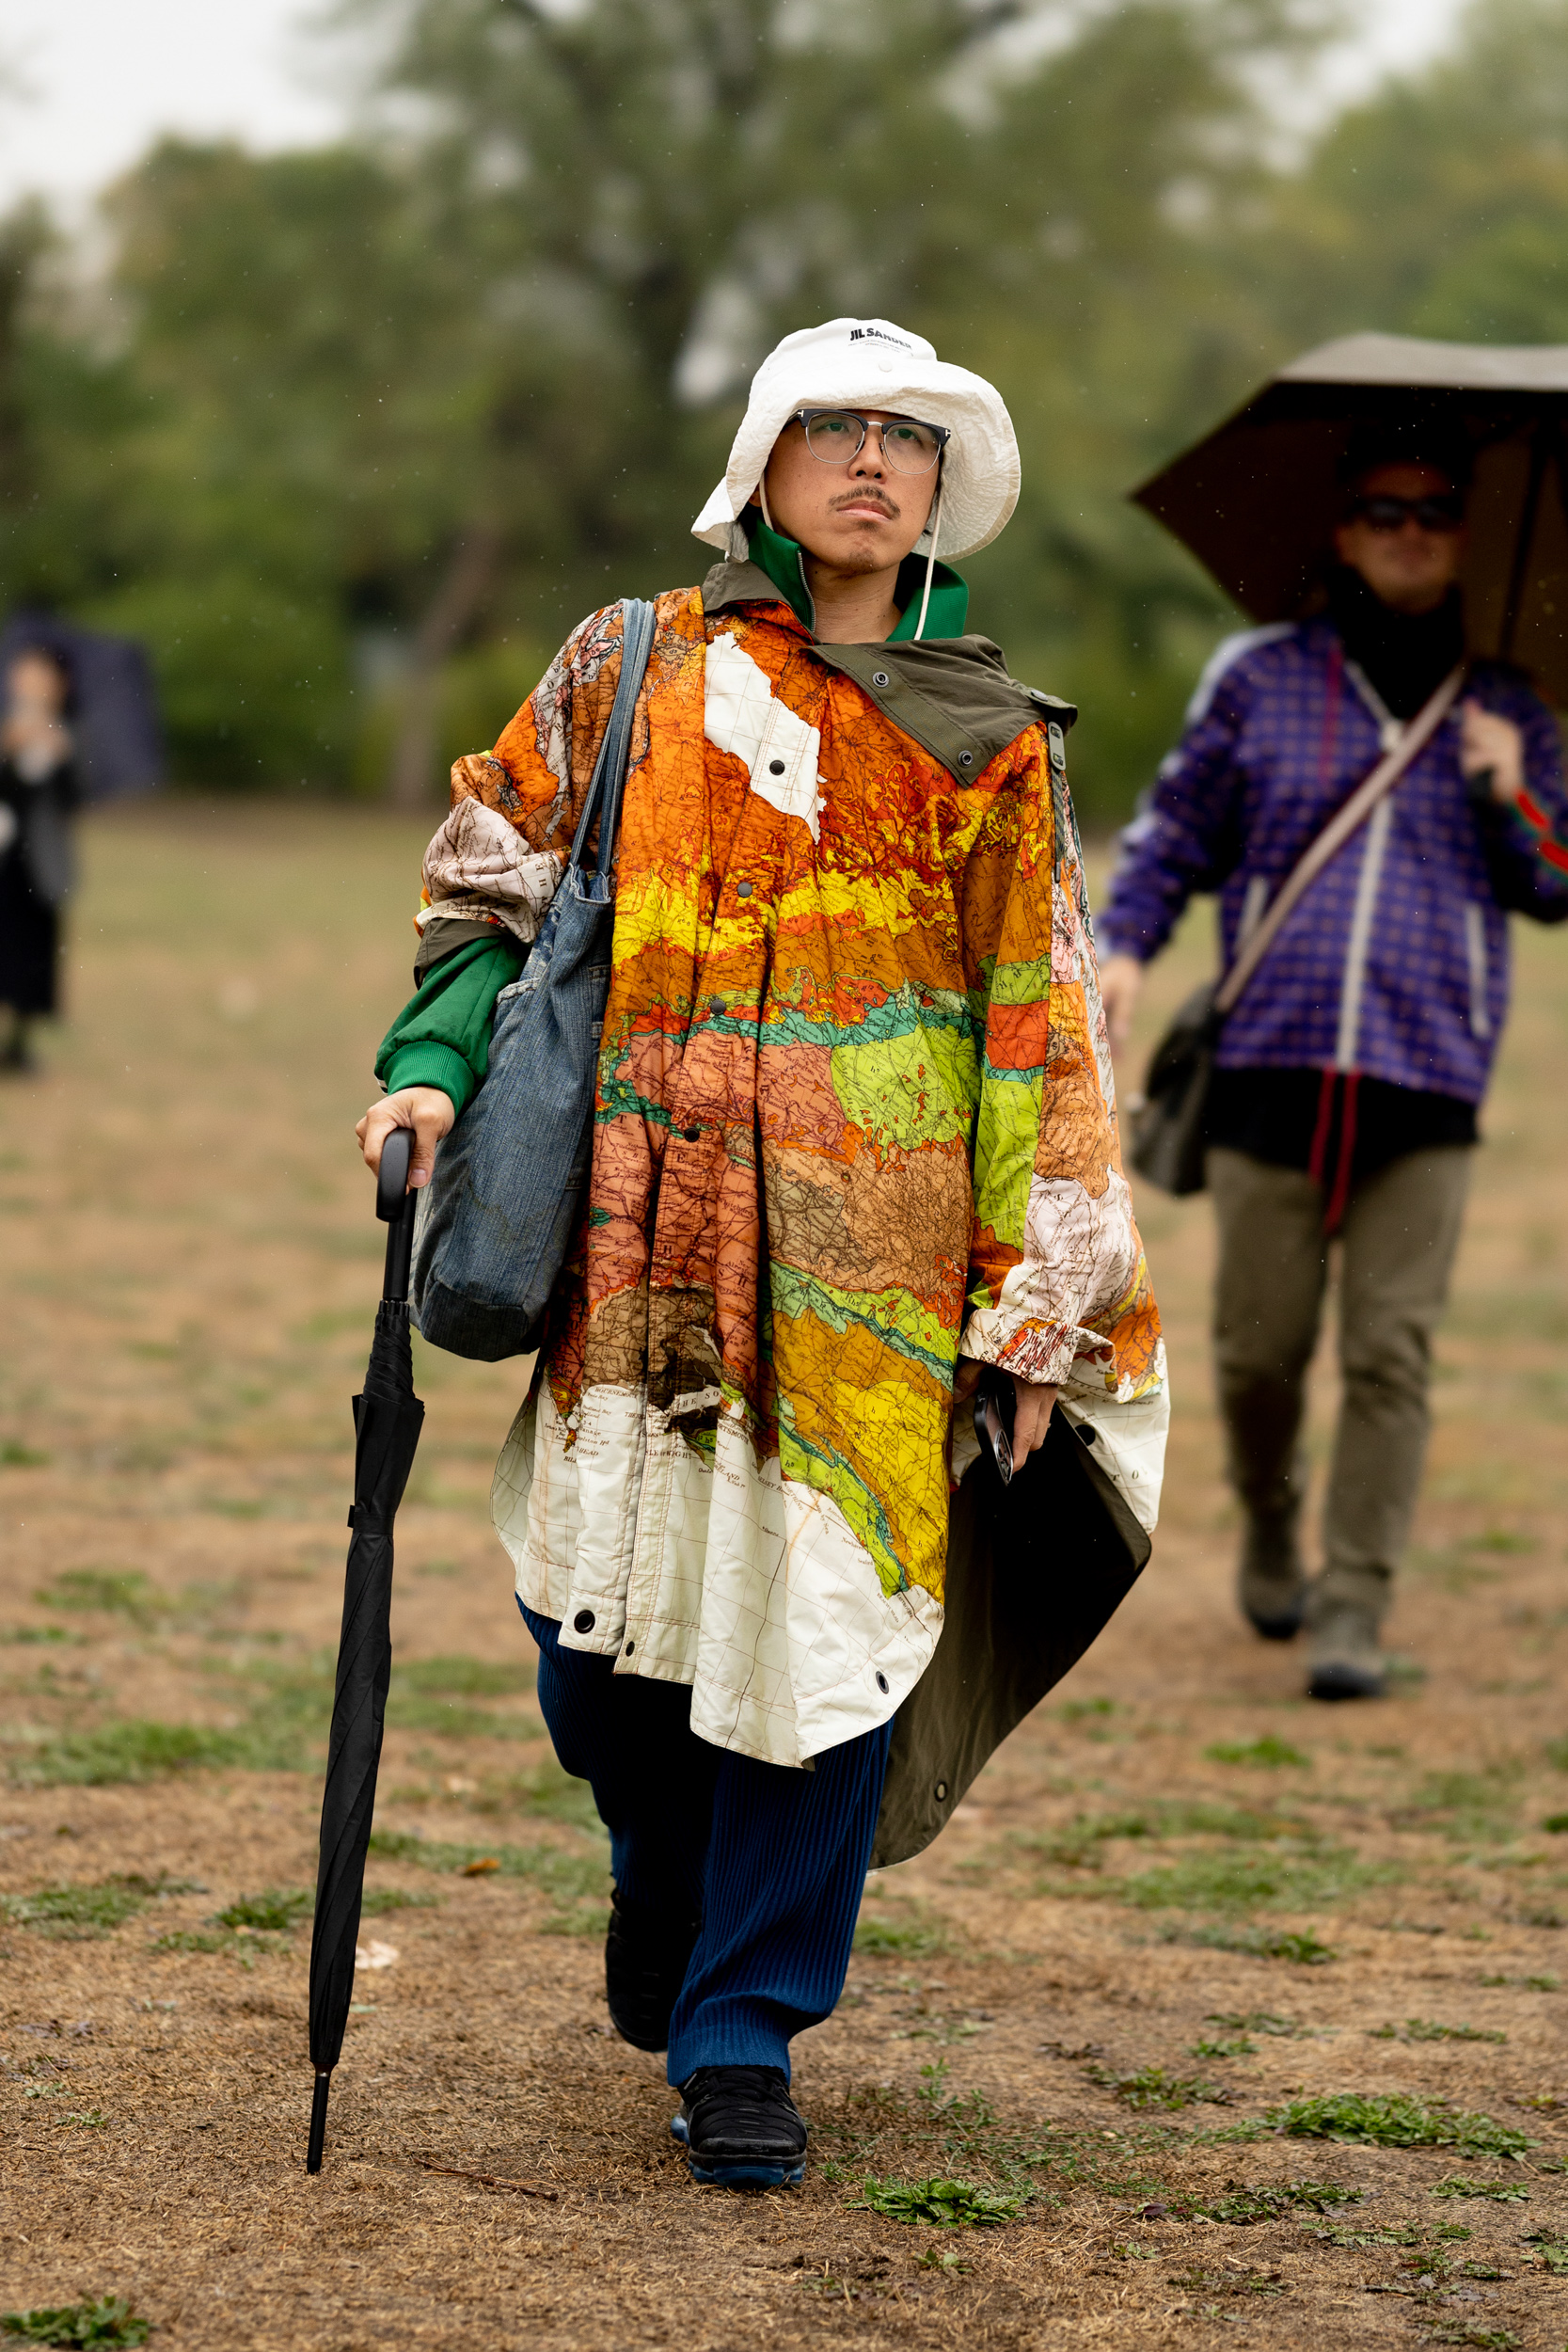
[
  {"x": 352, "y": 437},
  {"x": 636, "y": 198},
  {"x": 1440, "y": 206}
]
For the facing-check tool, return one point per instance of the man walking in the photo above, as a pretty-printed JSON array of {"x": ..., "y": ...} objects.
[
  {"x": 855, "y": 1120},
  {"x": 1349, "y": 1076}
]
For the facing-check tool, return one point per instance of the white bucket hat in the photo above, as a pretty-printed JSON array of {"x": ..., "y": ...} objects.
[{"x": 870, "y": 363}]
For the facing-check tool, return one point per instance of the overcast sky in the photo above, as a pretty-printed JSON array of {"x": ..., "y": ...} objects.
[{"x": 94, "y": 81}]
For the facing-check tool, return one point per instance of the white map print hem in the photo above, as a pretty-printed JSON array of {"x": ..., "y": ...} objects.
[{"x": 753, "y": 1589}]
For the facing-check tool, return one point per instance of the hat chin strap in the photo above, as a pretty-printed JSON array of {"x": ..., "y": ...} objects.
[
  {"x": 762, "y": 493},
  {"x": 930, "y": 561}
]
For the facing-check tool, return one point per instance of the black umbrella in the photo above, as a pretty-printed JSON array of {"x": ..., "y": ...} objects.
[
  {"x": 1255, "y": 499},
  {"x": 113, "y": 707},
  {"x": 387, "y": 1417}
]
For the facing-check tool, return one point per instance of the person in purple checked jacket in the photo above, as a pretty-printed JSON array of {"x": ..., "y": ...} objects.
[{"x": 1348, "y": 1077}]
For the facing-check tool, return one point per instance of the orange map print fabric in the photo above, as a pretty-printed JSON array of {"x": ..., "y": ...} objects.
[{"x": 855, "y": 1112}]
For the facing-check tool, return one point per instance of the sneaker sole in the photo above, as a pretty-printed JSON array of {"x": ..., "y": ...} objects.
[
  {"x": 1344, "y": 1682},
  {"x": 1277, "y": 1628},
  {"x": 787, "y": 2172},
  {"x": 754, "y": 2175}
]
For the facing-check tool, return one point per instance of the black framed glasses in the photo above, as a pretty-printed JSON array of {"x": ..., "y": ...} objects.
[
  {"x": 1384, "y": 512},
  {"x": 835, "y": 436}
]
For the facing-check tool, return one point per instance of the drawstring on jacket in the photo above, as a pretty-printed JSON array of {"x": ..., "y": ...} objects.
[{"x": 931, "y": 557}]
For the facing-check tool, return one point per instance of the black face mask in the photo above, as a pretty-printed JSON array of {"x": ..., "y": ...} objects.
[{"x": 1405, "y": 656}]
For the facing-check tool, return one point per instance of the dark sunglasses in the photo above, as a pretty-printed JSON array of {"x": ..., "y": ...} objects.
[{"x": 1386, "y": 513}]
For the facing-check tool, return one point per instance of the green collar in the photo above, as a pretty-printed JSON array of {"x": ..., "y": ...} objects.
[{"x": 781, "y": 559}]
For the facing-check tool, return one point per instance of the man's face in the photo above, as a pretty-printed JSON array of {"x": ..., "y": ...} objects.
[
  {"x": 36, "y": 683},
  {"x": 860, "y": 516},
  {"x": 1409, "y": 566}
]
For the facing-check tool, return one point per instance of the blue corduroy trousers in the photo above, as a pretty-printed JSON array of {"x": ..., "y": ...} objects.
[{"x": 770, "y": 1859}]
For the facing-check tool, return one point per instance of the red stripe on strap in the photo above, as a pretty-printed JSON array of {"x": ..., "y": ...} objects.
[
  {"x": 1335, "y": 1213},
  {"x": 1320, "y": 1134}
]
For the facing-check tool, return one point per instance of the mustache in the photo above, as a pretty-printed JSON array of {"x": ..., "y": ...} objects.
[{"x": 867, "y": 497}]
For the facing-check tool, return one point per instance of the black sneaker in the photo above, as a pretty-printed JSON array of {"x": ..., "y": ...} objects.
[
  {"x": 741, "y": 2129},
  {"x": 645, "y": 1960}
]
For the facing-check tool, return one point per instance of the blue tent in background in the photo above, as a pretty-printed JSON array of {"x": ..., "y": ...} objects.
[{"x": 114, "y": 714}]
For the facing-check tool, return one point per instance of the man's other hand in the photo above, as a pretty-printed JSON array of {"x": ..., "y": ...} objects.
[
  {"x": 1121, "y": 977},
  {"x": 1493, "y": 747},
  {"x": 1033, "y": 1403},
  {"x": 426, "y": 1110}
]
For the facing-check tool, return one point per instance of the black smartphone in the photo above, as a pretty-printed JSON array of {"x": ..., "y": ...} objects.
[{"x": 995, "y": 1401}]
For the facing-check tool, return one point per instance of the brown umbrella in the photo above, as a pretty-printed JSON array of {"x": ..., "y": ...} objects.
[{"x": 1256, "y": 500}]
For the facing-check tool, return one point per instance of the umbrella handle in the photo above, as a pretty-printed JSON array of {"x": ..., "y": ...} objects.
[
  {"x": 391, "y": 1184},
  {"x": 394, "y": 1205}
]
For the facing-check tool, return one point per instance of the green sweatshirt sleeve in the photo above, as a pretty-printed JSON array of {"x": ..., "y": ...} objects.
[{"x": 441, "y": 1038}]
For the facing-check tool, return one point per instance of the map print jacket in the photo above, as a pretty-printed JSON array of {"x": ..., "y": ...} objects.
[{"x": 855, "y": 1114}]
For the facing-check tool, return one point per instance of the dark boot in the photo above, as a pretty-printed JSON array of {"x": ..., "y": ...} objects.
[
  {"x": 1271, "y": 1582},
  {"x": 1345, "y": 1659},
  {"x": 741, "y": 2129},
  {"x": 645, "y": 1960}
]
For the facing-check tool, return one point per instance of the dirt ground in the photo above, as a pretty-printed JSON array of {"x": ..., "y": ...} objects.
[{"x": 1181, "y": 1906}]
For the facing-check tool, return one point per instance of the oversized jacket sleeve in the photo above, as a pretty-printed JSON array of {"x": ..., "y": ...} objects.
[
  {"x": 1186, "y": 838},
  {"x": 1058, "y": 1286},
  {"x": 1526, "y": 846},
  {"x": 498, "y": 859},
  {"x": 503, "y": 847}
]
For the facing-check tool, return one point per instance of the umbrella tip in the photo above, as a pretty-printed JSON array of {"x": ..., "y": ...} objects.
[{"x": 318, "y": 2123}]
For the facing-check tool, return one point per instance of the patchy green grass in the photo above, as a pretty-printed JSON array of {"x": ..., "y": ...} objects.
[
  {"x": 542, "y": 1793},
  {"x": 1086, "y": 1710},
  {"x": 1256, "y": 2021},
  {"x": 459, "y": 1677},
  {"x": 376, "y": 1901},
  {"x": 1154, "y": 2086},
  {"x": 938, "y": 2203},
  {"x": 1290, "y": 1880},
  {"x": 111, "y": 2320},
  {"x": 572, "y": 1878},
  {"x": 277, "y": 1912},
  {"x": 130, "y": 1750},
  {"x": 1240, "y": 2046},
  {"x": 1215, "y": 2284},
  {"x": 15, "y": 1455},
  {"x": 1427, "y": 2029},
  {"x": 1471, "y": 1809},
  {"x": 105, "y": 1592},
  {"x": 1268, "y": 1754},
  {"x": 85, "y": 1914},
  {"x": 1302, "y": 1947},
  {"x": 1500, "y": 2192},
  {"x": 915, "y": 1937},
  {"x": 1241, "y": 2206},
  {"x": 1396, "y": 2120}
]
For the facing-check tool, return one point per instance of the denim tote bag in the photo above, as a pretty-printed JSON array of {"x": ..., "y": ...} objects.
[{"x": 496, "y": 1220}]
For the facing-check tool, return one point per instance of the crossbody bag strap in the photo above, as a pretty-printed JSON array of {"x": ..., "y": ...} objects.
[
  {"x": 638, "y": 622},
  {"x": 1336, "y": 833}
]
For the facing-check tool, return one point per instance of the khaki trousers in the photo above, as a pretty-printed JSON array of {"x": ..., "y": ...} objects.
[{"x": 1396, "y": 1248}]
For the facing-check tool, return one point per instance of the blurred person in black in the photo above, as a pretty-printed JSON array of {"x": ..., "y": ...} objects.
[{"x": 37, "y": 797}]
